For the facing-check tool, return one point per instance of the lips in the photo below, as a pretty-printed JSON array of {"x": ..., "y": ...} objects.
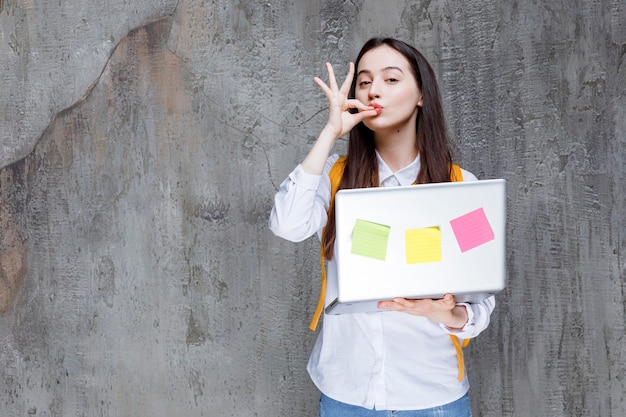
[{"x": 376, "y": 107}]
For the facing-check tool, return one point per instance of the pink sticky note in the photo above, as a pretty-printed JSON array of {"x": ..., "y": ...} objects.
[{"x": 472, "y": 229}]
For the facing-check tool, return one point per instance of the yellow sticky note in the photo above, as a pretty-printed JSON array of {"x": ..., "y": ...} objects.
[
  {"x": 370, "y": 239},
  {"x": 423, "y": 245}
]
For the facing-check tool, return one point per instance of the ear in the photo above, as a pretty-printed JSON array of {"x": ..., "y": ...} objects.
[{"x": 420, "y": 103}]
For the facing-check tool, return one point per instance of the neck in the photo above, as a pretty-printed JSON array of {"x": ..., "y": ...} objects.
[{"x": 397, "y": 150}]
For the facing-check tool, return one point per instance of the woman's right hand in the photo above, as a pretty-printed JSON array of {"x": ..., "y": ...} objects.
[{"x": 340, "y": 119}]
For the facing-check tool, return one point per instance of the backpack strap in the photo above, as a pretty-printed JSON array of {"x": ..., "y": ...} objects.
[
  {"x": 335, "y": 178},
  {"x": 458, "y": 346},
  {"x": 455, "y": 173},
  {"x": 335, "y": 175}
]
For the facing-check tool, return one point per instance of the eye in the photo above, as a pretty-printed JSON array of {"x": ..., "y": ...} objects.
[
  {"x": 392, "y": 80},
  {"x": 364, "y": 83}
]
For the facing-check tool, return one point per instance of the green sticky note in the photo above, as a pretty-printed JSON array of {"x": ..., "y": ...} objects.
[
  {"x": 423, "y": 245},
  {"x": 370, "y": 239}
]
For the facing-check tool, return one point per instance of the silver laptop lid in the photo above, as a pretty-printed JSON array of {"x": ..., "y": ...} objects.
[{"x": 420, "y": 241}]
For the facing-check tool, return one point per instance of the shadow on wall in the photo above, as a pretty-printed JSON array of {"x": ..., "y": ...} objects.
[{"x": 13, "y": 244}]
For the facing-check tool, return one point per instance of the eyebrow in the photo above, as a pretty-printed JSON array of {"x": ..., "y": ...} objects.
[{"x": 366, "y": 71}]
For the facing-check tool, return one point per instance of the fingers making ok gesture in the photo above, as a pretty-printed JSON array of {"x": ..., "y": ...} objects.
[{"x": 340, "y": 119}]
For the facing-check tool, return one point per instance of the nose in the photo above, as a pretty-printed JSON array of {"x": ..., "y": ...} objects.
[{"x": 374, "y": 91}]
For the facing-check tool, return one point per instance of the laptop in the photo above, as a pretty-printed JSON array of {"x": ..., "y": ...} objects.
[{"x": 419, "y": 241}]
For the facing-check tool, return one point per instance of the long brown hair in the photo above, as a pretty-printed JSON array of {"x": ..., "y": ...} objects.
[{"x": 361, "y": 166}]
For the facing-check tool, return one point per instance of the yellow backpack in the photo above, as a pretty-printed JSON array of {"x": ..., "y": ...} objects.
[{"x": 335, "y": 178}]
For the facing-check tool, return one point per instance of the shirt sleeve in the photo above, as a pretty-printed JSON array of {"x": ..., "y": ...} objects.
[
  {"x": 468, "y": 176},
  {"x": 301, "y": 204},
  {"x": 478, "y": 318}
]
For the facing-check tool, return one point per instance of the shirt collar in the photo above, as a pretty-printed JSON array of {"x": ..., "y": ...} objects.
[{"x": 404, "y": 176}]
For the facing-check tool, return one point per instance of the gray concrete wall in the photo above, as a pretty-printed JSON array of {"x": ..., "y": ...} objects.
[{"x": 142, "y": 143}]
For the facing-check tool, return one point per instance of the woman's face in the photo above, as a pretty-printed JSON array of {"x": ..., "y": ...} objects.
[{"x": 385, "y": 79}]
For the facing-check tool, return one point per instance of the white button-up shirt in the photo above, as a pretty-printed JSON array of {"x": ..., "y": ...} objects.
[{"x": 385, "y": 360}]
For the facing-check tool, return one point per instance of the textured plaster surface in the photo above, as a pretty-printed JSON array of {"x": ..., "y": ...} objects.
[{"x": 141, "y": 144}]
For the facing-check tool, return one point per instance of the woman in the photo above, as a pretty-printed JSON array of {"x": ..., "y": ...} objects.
[{"x": 400, "y": 359}]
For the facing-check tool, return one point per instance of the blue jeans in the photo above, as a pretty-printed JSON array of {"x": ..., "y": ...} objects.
[{"x": 332, "y": 408}]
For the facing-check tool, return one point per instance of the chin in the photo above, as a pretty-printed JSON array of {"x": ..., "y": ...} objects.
[
  {"x": 375, "y": 125},
  {"x": 380, "y": 127}
]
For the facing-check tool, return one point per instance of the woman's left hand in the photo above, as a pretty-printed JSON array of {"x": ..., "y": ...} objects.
[{"x": 444, "y": 310}]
